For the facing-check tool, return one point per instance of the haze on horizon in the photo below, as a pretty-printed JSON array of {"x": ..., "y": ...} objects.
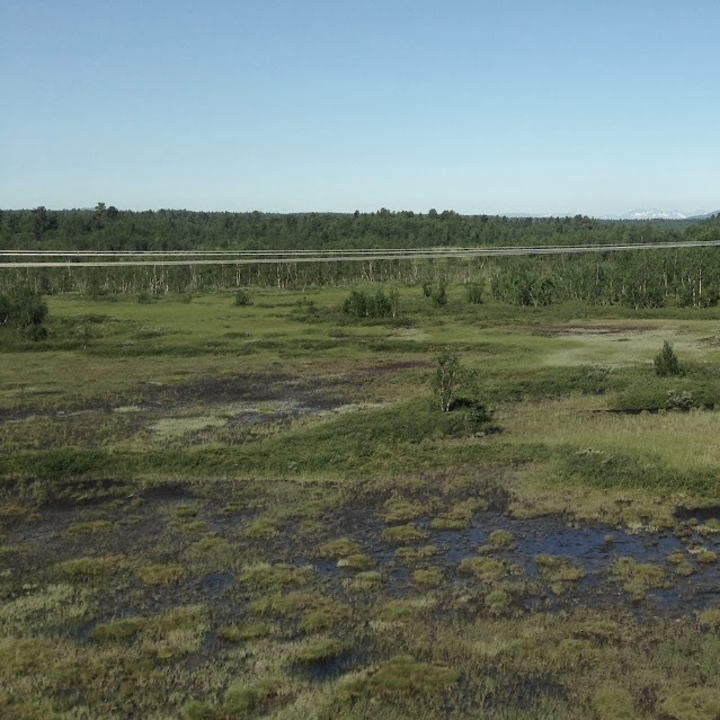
[{"x": 497, "y": 107}]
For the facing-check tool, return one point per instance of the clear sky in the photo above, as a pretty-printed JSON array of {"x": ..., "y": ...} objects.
[{"x": 484, "y": 106}]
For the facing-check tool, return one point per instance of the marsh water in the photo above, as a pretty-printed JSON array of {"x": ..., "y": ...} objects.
[{"x": 592, "y": 548}]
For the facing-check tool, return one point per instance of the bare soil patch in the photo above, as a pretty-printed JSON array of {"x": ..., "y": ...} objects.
[
  {"x": 321, "y": 391},
  {"x": 590, "y": 330}
]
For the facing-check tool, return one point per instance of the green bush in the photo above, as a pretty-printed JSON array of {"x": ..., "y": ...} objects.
[
  {"x": 666, "y": 361},
  {"x": 669, "y": 394},
  {"x": 606, "y": 470},
  {"x": 551, "y": 382},
  {"x": 439, "y": 295},
  {"x": 436, "y": 291},
  {"x": 57, "y": 463},
  {"x": 24, "y": 310},
  {"x": 242, "y": 298},
  {"x": 474, "y": 293},
  {"x": 363, "y": 305}
]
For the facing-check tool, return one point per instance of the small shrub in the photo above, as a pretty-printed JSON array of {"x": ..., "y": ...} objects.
[
  {"x": 679, "y": 400},
  {"x": 24, "y": 310},
  {"x": 436, "y": 291},
  {"x": 34, "y": 332},
  {"x": 666, "y": 361},
  {"x": 242, "y": 298},
  {"x": 448, "y": 378},
  {"x": 439, "y": 294},
  {"x": 363, "y": 305},
  {"x": 474, "y": 293}
]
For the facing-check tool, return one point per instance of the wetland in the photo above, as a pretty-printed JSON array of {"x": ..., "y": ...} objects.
[{"x": 211, "y": 511}]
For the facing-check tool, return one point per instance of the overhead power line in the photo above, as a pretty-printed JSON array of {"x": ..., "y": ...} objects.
[{"x": 118, "y": 258}]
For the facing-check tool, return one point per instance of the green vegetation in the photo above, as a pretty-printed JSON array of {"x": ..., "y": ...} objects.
[
  {"x": 666, "y": 361},
  {"x": 498, "y": 539},
  {"x": 408, "y": 534},
  {"x": 637, "y": 578},
  {"x": 449, "y": 376},
  {"x": 276, "y": 509},
  {"x": 242, "y": 298},
  {"x": 107, "y": 227},
  {"x": 160, "y": 574},
  {"x": 363, "y": 305},
  {"x": 23, "y": 310},
  {"x": 686, "y": 277}
]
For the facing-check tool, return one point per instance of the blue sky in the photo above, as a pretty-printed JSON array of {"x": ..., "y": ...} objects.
[{"x": 492, "y": 106}]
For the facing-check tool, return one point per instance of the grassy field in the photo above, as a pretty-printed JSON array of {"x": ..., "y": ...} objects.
[{"x": 211, "y": 510}]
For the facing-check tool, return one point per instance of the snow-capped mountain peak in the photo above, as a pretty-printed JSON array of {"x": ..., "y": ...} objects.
[{"x": 654, "y": 214}]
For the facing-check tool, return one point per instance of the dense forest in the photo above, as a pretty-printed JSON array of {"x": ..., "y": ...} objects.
[
  {"x": 107, "y": 228},
  {"x": 685, "y": 276}
]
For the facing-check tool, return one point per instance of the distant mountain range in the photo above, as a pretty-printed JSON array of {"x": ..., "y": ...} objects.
[
  {"x": 656, "y": 214},
  {"x": 653, "y": 214},
  {"x": 642, "y": 214}
]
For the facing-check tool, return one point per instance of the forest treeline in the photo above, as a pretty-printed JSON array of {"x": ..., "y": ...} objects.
[
  {"x": 688, "y": 277},
  {"x": 107, "y": 228}
]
